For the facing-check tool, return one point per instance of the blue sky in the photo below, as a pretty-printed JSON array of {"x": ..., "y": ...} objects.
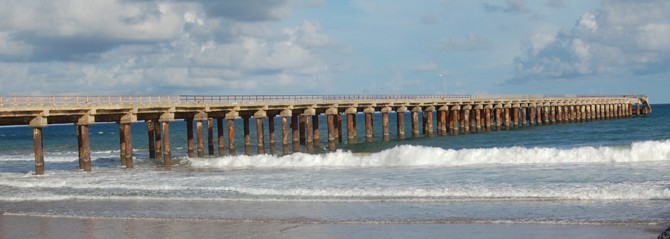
[{"x": 105, "y": 47}]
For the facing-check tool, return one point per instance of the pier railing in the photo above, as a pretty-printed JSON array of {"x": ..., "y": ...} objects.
[{"x": 185, "y": 99}]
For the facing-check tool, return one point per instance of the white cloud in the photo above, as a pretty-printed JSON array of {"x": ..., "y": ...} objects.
[
  {"x": 623, "y": 37},
  {"x": 510, "y": 6},
  {"x": 157, "y": 47}
]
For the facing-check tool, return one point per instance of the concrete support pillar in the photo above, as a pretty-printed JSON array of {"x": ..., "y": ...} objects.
[
  {"x": 127, "y": 138},
  {"x": 478, "y": 119},
  {"x": 385, "y": 126},
  {"x": 260, "y": 135},
  {"x": 400, "y": 124},
  {"x": 158, "y": 138},
  {"x": 351, "y": 129},
  {"x": 189, "y": 138},
  {"x": 428, "y": 127},
  {"x": 220, "y": 141},
  {"x": 369, "y": 130},
  {"x": 473, "y": 119},
  {"x": 465, "y": 123},
  {"x": 545, "y": 115},
  {"x": 272, "y": 134},
  {"x": 559, "y": 114},
  {"x": 552, "y": 114},
  {"x": 338, "y": 127},
  {"x": 85, "y": 147},
  {"x": 523, "y": 116},
  {"x": 167, "y": 161},
  {"x": 38, "y": 144},
  {"x": 122, "y": 146},
  {"x": 630, "y": 109},
  {"x": 200, "y": 139},
  {"x": 638, "y": 106},
  {"x": 210, "y": 136},
  {"x": 415, "y": 122},
  {"x": 247, "y": 135},
  {"x": 309, "y": 133},
  {"x": 295, "y": 130},
  {"x": 231, "y": 136},
  {"x": 532, "y": 115},
  {"x": 331, "y": 127},
  {"x": 284, "y": 131},
  {"x": 315, "y": 128},
  {"x": 499, "y": 120},
  {"x": 152, "y": 139},
  {"x": 301, "y": 119},
  {"x": 487, "y": 115},
  {"x": 506, "y": 115},
  {"x": 515, "y": 113},
  {"x": 455, "y": 113},
  {"x": 442, "y": 122}
]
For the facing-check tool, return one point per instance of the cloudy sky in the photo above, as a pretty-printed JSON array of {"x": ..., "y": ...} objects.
[{"x": 160, "y": 47}]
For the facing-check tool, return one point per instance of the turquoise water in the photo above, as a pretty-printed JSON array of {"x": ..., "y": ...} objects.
[{"x": 612, "y": 171}]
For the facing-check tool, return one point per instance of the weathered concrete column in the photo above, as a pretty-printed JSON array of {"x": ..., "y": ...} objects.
[
  {"x": 189, "y": 138},
  {"x": 330, "y": 119},
  {"x": 559, "y": 113},
  {"x": 400, "y": 124},
  {"x": 385, "y": 123},
  {"x": 309, "y": 134},
  {"x": 545, "y": 110},
  {"x": 127, "y": 138},
  {"x": 515, "y": 114},
  {"x": 507, "y": 115},
  {"x": 415, "y": 121},
  {"x": 478, "y": 117},
  {"x": 552, "y": 113},
  {"x": 638, "y": 108},
  {"x": 338, "y": 127},
  {"x": 540, "y": 111},
  {"x": 260, "y": 116},
  {"x": 630, "y": 109},
  {"x": 152, "y": 138},
  {"x": 231, "y": 135},
  {"x": 442, "y": 121},
  {"x": 85, "y": 147},
  {"x": 465, "y": 122},
  {"x": 428, "y": 115},
  {"x": 315, "y": 128},
  {"x": 220, "y": 140},
  {"x": 351, "y": 125},
  {"x": 295, "y": 131},
  {"x": 284, "y": 130},
  {"x": 260, "y": 136},
  {"x": 200, "y": 137},
  {"x": 122, "y": 146},
  {"x": 455, "y": 114},
  {"x": 487, "y": 115},
  {"x": 532, "y": 114},
  {"x": 167, "y": 161},
  {"x": 523, "y": 117},
  {"x": 272, "y": 134},
  {"x": 301, "y": 119},
  {"x": 38, "y": 144},
  {"x": 247, "y": 134},
  {"x": 498, "y": 115},
  {"x": 369, "y": 123},
  {"x": 158, "y": 138},
  {"x": 210, "y": 136}
]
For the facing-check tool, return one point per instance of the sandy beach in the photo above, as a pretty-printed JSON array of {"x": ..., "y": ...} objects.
[{"x": 21, "y": 226}]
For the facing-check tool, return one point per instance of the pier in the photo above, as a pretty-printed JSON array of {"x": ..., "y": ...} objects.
[{"x": 429, "y": 115}]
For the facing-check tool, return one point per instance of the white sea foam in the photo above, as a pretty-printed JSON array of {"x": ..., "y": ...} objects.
[{"x": 410, "y": 155}]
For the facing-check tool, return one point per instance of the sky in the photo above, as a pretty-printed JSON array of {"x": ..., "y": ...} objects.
[{"x": 298, "y": 47}]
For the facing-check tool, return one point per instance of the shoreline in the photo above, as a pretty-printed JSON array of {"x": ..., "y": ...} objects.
[{"x": 27, "y": 226}]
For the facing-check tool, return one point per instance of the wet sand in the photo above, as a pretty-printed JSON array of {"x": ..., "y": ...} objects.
[{"x": 22, "y": 226}]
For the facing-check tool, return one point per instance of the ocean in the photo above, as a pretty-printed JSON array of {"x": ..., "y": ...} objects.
[{"x": 605, "y": 172}]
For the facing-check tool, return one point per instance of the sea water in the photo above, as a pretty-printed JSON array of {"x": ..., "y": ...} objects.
[{"x": 596, "y": 172}]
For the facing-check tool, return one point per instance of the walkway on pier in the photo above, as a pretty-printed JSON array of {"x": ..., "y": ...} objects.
[{"x": 440, "y": 114}]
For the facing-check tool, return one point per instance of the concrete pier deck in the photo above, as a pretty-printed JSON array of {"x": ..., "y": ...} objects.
[{"x": 440, "y": 114}]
